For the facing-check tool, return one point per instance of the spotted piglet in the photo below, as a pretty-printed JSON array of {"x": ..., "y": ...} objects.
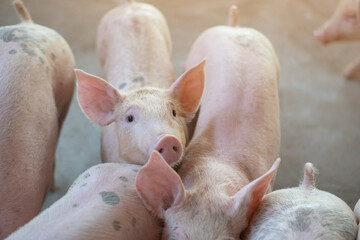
[
  {"x": 101, "y": 204},
  {"x": 140, "y": 106},
  {"x": 37, "y": 83},
  {"x": 303, "y": 212},
  {"x": 231, "y": 159}
]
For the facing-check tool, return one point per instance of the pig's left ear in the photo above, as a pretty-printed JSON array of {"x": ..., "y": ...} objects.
[
  {"x": 188, "y": 89},
  {"x": 243, "y": 204},
  {"x": 159, "y": 186}
]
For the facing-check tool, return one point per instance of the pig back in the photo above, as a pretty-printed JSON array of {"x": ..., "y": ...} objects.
[
  {"x": 298, "y": 213},
  {"x": 241, "y": 94},
  {"x": 134, "y": 47}
]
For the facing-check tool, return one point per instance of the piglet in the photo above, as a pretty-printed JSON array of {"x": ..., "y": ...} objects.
[
  {"x": 37, "y": 83},
  {"x": 141, "y": 108},
  {"x": 303, "y": 212},
  {"x": 101, "y": 204},
  {"x": 231, "y": 159},
  {"x": 344, "y": 24}
]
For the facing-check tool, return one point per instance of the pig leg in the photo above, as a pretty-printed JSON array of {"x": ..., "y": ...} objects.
[{"x": 352, "y": 69}]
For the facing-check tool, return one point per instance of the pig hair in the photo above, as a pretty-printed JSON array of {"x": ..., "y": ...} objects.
[
  {"x": 22, "y": 12},
  {"x": 233, "y": 16}
]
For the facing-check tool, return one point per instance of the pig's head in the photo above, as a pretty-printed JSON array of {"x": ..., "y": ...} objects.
[
  {"x": 344, "y": 24},
  {"x": 146, "y": 119},
  {"x": 197, "y": 215}
]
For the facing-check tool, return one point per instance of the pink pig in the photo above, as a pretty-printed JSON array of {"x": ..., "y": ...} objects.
[
  {"x": 344, "y": 24},
  {"x": 37, "y": 83},
  {"x": 303, "y": 212},
  {"x": 230, "y": 162},
  {"x": 141, "y": 108},
  {"x": 101, "y": 204},
  {"x": 357, "y": 215}
]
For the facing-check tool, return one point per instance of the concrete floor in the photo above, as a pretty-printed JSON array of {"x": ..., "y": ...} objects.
[{"x": 320, "y": 113}]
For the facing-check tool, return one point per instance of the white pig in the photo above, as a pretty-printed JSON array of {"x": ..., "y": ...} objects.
[
  {"x": 229, "y": 163},
  {"x": 303, "y": 212},
  {"x": 37, "y": 83},
  {"x": 101, "y": 204},
  {"x": 148, "y": 112},
  {"x": 344, "y": 24},
  {"x": 357, "y": 215}
]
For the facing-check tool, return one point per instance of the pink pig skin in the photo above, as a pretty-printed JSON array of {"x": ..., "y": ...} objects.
[
  {"x": 225, "y": 170},
  {"x": 344, "y": 24},
  {"x": 134, "y": 48},
  {"x": 303, "y": 212},
  {"x": 37, "y": 82},
  {"x": 101, "y": 204}
]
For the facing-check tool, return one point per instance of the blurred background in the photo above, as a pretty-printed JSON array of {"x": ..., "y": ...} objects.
[{"x": 320, "y": 110}]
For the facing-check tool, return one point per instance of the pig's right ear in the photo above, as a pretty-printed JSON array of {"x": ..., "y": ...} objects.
[
  {"x": 97, "y": 98},
  {"x": 188, "y": 89},
  {"x": 159, "y": 186}
]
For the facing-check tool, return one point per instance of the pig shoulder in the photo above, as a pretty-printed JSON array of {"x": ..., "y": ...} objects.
[{"x": 297, "y": 213}]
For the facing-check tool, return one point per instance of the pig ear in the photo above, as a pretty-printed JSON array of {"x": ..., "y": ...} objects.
[
  {"x": 188, "y": 89},
  {"x": 97, "y": 97},
  {"x": 159, "y": 186},
  {"x": 245, "y": 202}
]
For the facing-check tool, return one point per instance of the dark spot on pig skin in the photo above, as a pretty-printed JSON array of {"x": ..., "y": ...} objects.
[
  {"x": 75, "y": 205},
  {"x": 41, "y": 60},
  {"x": 63, "y": 51},
  {"x": 135, "y": 170},
  {"x": 110, "y": 198},
  {"x": 20, "y": 34},
  {"x": 87, "y": 175},
  {"x": 138, "y": 79},
  {"x": 83, "y": 185},
  {"x": 47, "y": 69},
  {"x": 116, "y": 225},
  {"x": 125, "y": 179},
  {"x": 133, "y": 222},
  {"x": 13, "y": 51},
  {"x": 53, "y": 57},
  {"x": 175, "y": 228},
  {"x": 302, "y": 220},
  {"x": 122, "y": 86},
  {"x": 28, "y": 51}
]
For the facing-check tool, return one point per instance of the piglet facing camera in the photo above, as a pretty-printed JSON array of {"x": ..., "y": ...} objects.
[
  {"x": 303, "y": 212},
  {"x": 140, "y": 106},
  {"x": 146, "y": 119}
]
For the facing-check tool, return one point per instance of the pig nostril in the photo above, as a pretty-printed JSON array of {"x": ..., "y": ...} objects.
[
  {"x": 175, "y": 148},
  {"x": 161, "y": 150}
]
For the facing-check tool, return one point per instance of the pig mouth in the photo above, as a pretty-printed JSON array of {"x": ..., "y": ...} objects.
[{"x": 169, "y": 147}]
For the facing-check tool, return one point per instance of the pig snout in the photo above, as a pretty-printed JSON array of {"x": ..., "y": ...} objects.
[{"x": 169, "y": 147}]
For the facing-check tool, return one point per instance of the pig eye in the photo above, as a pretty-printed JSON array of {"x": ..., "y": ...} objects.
[
  {"x": 130, "y": 118},
  {"x": 174, "y": 113}
]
